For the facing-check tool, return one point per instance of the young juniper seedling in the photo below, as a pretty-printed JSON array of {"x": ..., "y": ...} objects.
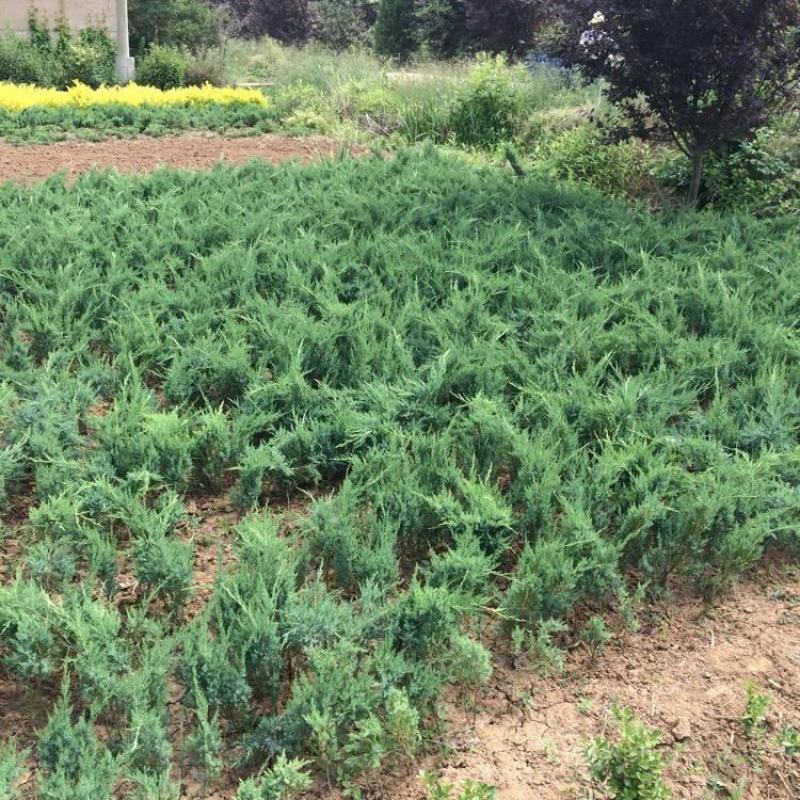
[{"x": 596, "y": 636}]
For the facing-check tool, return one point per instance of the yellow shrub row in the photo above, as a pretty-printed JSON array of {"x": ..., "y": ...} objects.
[{"x": 14, "y": 97}]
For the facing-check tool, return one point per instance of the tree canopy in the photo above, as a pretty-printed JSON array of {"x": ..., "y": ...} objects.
[{"x": 701, "y": 72}]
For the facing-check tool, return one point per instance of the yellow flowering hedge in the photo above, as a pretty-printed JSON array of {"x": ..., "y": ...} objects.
[{"x": 17, "y": 97}]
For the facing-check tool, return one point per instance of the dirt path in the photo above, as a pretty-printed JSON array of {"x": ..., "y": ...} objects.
[{"x": 27, "y": 164}]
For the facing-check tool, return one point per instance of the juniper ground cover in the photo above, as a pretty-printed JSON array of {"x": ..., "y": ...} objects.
[{"x": 505, "y": 399}]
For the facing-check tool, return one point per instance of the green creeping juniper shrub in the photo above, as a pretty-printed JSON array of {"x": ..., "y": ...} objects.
[
  {"x": 249, "y": 600},
  {"x": 424, "y": 621},
  {"x": 147, "y": 749},
  {"x": 164, "y": 568},
  {"x": 209, "y": 374},
  {"x": 59, "y": 517},
  {"x": 401, "y": 724},
  {"x": 101, "y": 657},
  {"x": 470, "y": 663},
  {"x": 340, "y": 714},
  {"x": 45, "y": 125},
  {"x": 545, "y": 585},
  {"x": 12, "y": 768},
  {"x": 316, "y": 617},
  {"x": 630, "y": 606},
  {"x": 52, "y": 564},
  {"x": 260, "y": 466},
  {"x": 503, "y": 395},
  {"x": 145, "y": 786},
  {"x": 547, "y": 653},
  {"x": 248, "y": 614},
  {"x": 212, "y": 669},
  {"x": 204, "y": 745},
  {"x": 149, "y": 509},
  {"x": 32, "y": 645},
  {"x": 213, "y": 449},
  {"x": 465, "y": 570},
  {"x": 350, "y": 546},
  {"x": 630, "y": 767},
  {"x": 72, "y": 762},
  {"x": 596, "y": 636},
  {"x": 101, "y": 561},
  {"x": 136, "y": 437},
  {"x": 9, "y": 471},
  {"x": 473, "y": 508}
]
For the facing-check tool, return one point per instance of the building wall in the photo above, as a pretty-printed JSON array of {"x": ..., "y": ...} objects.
[{"x": 76, "y": 13}]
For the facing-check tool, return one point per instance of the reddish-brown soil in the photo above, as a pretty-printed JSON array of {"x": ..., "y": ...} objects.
[
  {"x": 30, "y": 163},
  {"x": 684, "y": 673}
]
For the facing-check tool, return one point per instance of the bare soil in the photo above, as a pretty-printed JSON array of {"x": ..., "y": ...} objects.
[
  {"x": 684, "y": 673},
  {"x": 27, "y": 164}
]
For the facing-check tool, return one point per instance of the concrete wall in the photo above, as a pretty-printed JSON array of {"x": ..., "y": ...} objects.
[{"x": 77, "y": 14}]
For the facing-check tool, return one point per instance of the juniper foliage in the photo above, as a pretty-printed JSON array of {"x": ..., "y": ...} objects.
[{"x": 504, "y": 394}]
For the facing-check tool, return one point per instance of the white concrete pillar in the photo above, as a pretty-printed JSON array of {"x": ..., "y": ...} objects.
[{"x": 125, "y": 64}]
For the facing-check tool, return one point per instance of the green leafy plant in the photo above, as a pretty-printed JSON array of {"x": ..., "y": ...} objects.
[
  {"x": 630, "y": 767},
  {"x": 489, "y": 110},
  {"x": 789, "y": 740},
  {"x": 60, "y": 60},
  {"x": 437, "y": 789},
  {"x": 163, "y": 67},
  {"x": 393, "y": 33},
  {"x": 755, "y": 711}
]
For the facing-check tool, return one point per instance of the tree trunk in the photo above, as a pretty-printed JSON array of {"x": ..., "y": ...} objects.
[{"x": 697, "y": 176}]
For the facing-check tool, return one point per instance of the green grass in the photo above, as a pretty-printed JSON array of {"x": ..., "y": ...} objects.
[
  {"x": 505, "y": 396},
  {"x": 350, "y": 94},
  {"x": 45, "y": 125},
  {"x": 316, "y": 89}
]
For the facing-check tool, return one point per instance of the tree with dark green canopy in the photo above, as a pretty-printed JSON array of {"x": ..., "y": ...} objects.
[{"x": 394, "y": 28}]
